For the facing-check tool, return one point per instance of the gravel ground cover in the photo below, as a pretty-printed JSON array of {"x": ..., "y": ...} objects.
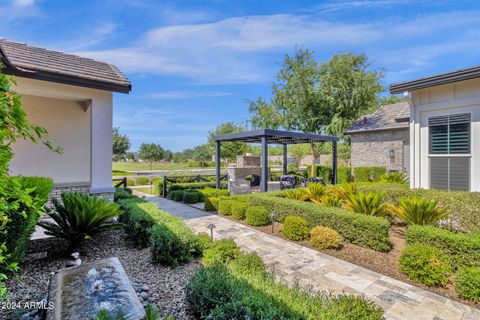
[{"x": 153, "y": 283}]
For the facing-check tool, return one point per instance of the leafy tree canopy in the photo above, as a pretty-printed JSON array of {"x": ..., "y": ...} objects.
[
  {"x": 121, "y": 143},
  {"x": 228, "y": 150},
  {"x": 151, "y": 152}
]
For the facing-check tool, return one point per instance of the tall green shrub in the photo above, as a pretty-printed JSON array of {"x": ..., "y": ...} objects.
[
  {"x": 366, "y": 174},
  {"x": 344, "y": 173}
]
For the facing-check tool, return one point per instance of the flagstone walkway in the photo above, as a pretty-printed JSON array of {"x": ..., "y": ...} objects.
[{"x": 291, "y": 262}]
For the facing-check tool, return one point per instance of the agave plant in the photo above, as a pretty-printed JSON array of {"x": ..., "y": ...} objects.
[
  {"x": 394, "y": 177},
  {"x": 81, "y": 217},
  {"x": 418, "y": 211},
  {"x": 342, "y": 191},
  {"x": 331, "y": 201},
  {"x": 295, "y": 194},
  {"x": 314, "y": 192},
  {"x": 370, "y": 203}
]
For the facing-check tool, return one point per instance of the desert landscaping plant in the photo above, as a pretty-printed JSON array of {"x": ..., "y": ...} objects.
[
  {"x": 419, "y": 211},
  {"x": 314, "y": 192},
  {"x": 325, "y": 238},
  {"x": 370, "y": 203},
  {"x": 330, "y": 201},
  {"x": 80, "y": 217},
  {"x": 394, "y": 177},
  {"x": 295, "y": 194}
]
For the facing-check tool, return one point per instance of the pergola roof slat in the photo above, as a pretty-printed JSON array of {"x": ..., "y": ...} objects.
[{"x": 275, "y": 137}]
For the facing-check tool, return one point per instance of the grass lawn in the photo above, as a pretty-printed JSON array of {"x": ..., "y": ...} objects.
[
  {"x": 145, "y": 190},
  {"x": 120, "y": 173},
  {"x": 145, "y": 166}
]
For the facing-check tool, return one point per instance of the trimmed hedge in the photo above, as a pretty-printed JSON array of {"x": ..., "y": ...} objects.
[
  {"x": 365, "y": 174},
  {"x": 211, "y": 203},
  {"x": 467, "y": 283},
  {"x": 325, "y": 238},
  {"x": 366, "y": 231},
  {"x": 239, "y": 209},
  {"x": 192, "y": 196},
  {"x": 137, "y": 222},
  {"x": 425, "y": 264},
  {"x": 295, "y": 228},
  {"x": 463, "y": 207},
  {"x": 141, "y": 180},
  {"x": 463, "y": 249},
  {"x": 122, "y": 194},
  {"x": 257, "y": 216},
  {"x": 225, "y": 207},
  {"x": 195, "y": 185},
  {"x": 220, "y": 251},
  {"x": 344, "y": 173},
  {"x": 212, "y": 192}
]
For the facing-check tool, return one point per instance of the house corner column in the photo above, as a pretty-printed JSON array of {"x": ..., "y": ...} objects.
[{"x": 101, "y": 146}]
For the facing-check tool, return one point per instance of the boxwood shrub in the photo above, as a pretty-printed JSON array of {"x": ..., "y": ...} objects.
[
  {"x": 220, "y": 251},
  {"x": 425, "y": 264},
  {"x": 325, "y": 238},
  {"x": 211, "y": 203},
  {"x": 212, "y": 192},
  {"x": 178, "y": 195},
  {"x": 463, "y": 207},
  {"x": 191, "y": 196},
  {"x": 225, "y": 207},
  {"x": 257, "y": 216},
  {"x": 344, "y": 173},
  {"x": 467, "y": 283},
  {"x": 195, "y": 185},
  {"x": 295, "y": 228},
  {"x": 365, "y": 174},
  {"x": 366, "y": 231},
  {"x": 137, "y": 222},
  {"x": 239, "y": 209},
  {"x": 141, "y": 180},
  {"x": 462, "y": 249}
]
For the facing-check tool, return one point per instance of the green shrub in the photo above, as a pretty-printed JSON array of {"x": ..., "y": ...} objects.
[
  {"x": 325, "y": 238},
  {"x": 172, "y": 195},
  {"x": 211, "y": 203},
  {"x": 220, "y": 251},
  {"x": 27, "y": 197},
  {"x": 166, "y": 247},
  {"x": 344, "y": 173},
  {"x": 204, "y": 241},
  {"x": 295, "y": 194},
  {"x": 314, "y": 192},
  {"x": 330, "y": 201},
  {"x": 365, "y": 174},
  {"x": 257, "y": 216},
  {"x": 195, "y": 185},
  {"x": 419, "y": 211},
  {"x": 239, "y": 209},
  {"x": 370, "y": 204},
  {"x": 136, "y": 222},
  {"x": 467, "y": 283},
  {"x": 191, "y": 196},
  {"x": 80, "y": 217},
  {"x": 122, "y": 194},
  {"x": 295, "y": 228},
  {"x": 394, "y": 177},
  {"x": 462, "y": 207},
  {"x": 158, "y": 186},
  {"x": 141, "y": 180},
  {"x": 366, "y": 231},
  {"x": 130, "y": 181},
  {"x": 178, "y": 195},
  {"x": 425, "y": 264},
  {"x": 462, "y": 249},
  {"x": 211, "y": 192},
  {"x": 247, "y": 263},
  {"x": 225, "y": 207}
]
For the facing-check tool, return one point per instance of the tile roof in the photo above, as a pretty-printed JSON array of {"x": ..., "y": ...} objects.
[
  {"x": 35, "y": 62},
  {"x": 390, "y": 116}
]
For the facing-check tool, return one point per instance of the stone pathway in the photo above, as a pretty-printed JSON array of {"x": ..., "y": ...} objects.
[{"x": 292, "y": 262}]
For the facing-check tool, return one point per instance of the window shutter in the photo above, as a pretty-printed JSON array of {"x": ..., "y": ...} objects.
[
  {"x": 459, "y": 174},
  {"x": 439, "y": 173}
]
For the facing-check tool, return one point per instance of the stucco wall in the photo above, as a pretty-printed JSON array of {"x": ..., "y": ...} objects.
[
  {"x": 373, "y": 148},
  {"x": 460, "y": 97},
  {"x": 68, "y": 125}
]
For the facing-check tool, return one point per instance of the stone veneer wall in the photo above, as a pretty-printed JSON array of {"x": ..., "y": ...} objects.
[
  {"x": 373, "y": 148},
  {"x": 84, "y": 188},
  {"x": 248, "y": 161}
]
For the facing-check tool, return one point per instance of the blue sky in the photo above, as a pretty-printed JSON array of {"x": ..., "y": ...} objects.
[{"x": 193, "y": 64}]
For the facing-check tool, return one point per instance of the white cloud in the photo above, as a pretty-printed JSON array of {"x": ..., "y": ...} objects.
[
  {"x": 182, "y": 94},
  {"x": 23, "y": 3}
]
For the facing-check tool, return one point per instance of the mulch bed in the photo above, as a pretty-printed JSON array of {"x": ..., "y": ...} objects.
[
  {"x": 165, "y": 285},
  {"x": 387, "y": 263}
]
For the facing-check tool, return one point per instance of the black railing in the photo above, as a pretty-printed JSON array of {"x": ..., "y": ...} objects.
[{"x": 122, "y": 182}]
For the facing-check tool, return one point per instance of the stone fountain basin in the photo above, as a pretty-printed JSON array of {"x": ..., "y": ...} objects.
[{"x": 80, "y": 292}]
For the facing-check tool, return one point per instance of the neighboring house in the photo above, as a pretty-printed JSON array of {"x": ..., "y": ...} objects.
[
  {"x": 444, "y": 130},
  {"x": 71, "y": 97},
  {"x": 382, "y": 138}
]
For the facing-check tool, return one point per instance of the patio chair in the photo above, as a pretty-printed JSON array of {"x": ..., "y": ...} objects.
[{"x": 287, "y": 182}]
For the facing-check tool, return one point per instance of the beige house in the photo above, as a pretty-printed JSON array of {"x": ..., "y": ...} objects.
[
  {"x": 71, "y": 97},
  {"x": 444, "y": 130}
]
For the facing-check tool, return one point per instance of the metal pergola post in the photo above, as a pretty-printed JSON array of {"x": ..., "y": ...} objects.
[
  {"x": 264, "y": 179},
  {"x": 217, "y": 165},
  {"x": 334, "y": 162},
  {"x": 285, "y": 159}
]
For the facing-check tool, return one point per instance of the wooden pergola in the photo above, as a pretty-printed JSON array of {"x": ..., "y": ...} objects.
[{"x": 270, "y": 136}]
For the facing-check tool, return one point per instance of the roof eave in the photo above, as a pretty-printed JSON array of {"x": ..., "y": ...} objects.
[
  {"x": 65, "y": 79},
  {"x": 373, "y": 130},
  {"x": 455, "y": 76}
]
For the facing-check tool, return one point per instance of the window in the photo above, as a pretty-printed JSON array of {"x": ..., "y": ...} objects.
[{"x": 449, "y": 140}]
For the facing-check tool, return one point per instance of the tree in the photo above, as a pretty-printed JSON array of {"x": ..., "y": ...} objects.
[
  {"x": 202, "y": 153},
  {"x": 228, "y": 150},
  {"x": 130, "y": 156},
  {"x": 381, "y": 101},
  {"x": 121, "y": 144},
  {"x": 151, "y": 152},
  {"x": 298, "y": 152},
  {"x": 168, "y": 155},
  {"x": 315, "y": 98}
]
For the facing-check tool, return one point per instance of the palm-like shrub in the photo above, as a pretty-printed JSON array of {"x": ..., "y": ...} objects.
[
  {"x": 295, "y": 194},
  {"x": 370, "y": 203},
  {"x": 342, "y": 191},
  {"x": 81, "y": 217},
  {"x": 394, "y": 177},
  {"x": 419, "y": 211},
  {"x": 330, "y": 201},
  {"x": 314, "y": 192}
]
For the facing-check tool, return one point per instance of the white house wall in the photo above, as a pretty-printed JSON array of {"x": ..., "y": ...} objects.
[
  {"x": 80, "y": 120},
  {"x": 460, "y": 97}
]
